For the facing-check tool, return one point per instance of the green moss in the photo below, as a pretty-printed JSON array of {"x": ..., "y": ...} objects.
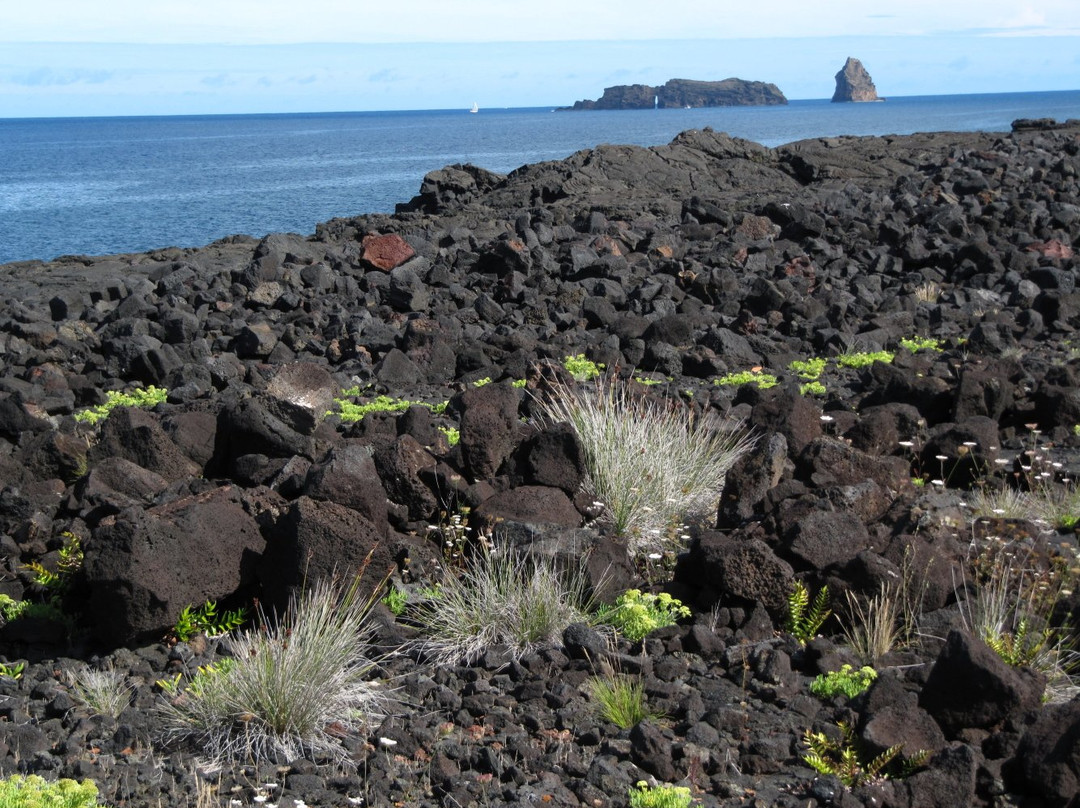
[
  {"x": 814, "y": 388},
  {"x": 762, "y": 380},
  {"x": 861, "y": 359},
  {"x": 453, "y": 435},
  {"x": 149, "y": 397},
  {"x": 916, "y": 344},
  {"x": 809, "y": 369}
]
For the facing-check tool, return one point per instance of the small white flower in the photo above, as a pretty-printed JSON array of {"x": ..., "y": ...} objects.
[
  {"x": 937, "y": 482},
  {"x": 907, "y": 444},
  {"x": 259, "y": 798},
  {"x": 999, "y": 511},
  {"x": 355, "y": 800},
  {"x": 235, "y": 802},
  {"x": 826, "y": 418},
  {"x": 941, "y": 457},
  {"x": 270, "y": 786},
  {"x": 387, "y": 742},
  {"x": 655, "y": 556},
  {"x": 1001, "y": 461},
  {"x": 970, "y": 444}
]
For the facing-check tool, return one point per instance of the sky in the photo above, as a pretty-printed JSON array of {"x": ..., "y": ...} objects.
[{"x": 162, "y": 57}]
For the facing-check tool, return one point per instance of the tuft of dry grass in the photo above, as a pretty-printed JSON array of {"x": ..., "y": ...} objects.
[
  {"x": 651, "y": 464},
  {"x": 289, "y": 688},
  {"x": 872, "y": 627},
  {"x": 105, "y": 691},
  {"x": 501, "y": 598}
]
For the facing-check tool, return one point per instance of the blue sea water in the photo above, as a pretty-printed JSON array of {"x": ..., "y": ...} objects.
[{"x": 109, "y": 185}]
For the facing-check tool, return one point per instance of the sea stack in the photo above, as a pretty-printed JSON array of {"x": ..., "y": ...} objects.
[{"x": 853, "y": 83}]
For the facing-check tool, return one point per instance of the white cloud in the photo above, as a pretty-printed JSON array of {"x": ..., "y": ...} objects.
[{"x": 285, "y": 21}]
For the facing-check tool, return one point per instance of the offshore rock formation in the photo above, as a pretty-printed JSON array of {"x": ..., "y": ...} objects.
[
  {"x": 680, "y": 93},
  {"x": 853, "y": 83}
]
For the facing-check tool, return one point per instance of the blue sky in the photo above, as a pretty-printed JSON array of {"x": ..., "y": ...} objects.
[{"x": 140, "y": 57}]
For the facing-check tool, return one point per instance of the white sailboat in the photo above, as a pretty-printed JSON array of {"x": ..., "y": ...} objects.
[{"x": 475, "y": 107}]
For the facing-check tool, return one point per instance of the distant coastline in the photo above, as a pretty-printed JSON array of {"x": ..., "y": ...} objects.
[{"x": 130, "y": 184}]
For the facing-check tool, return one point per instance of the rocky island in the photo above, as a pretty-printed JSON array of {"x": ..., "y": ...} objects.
[
  {"x": 894, "y": 319},
  {"x": 682, "y": 93},
  {"x": 853, "y": 83}
]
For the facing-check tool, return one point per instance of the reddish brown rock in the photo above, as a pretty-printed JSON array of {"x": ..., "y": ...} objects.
[{"x": 386, "y": 252}]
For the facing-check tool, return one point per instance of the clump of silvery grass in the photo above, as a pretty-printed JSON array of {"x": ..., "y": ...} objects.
[
  {"x": 872, "y": 627},
  {"x": 1002, "y": 502},
  {"x": 105, "y": 691},
  {"x": 503, "y": 599},
  {"x": 1009, "y": 604},
  {"x": 289, "y": 688},
  {"x": 651, "y": 464}
]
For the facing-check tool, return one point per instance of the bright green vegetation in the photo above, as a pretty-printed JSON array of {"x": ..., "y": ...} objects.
[
  {"x": 861, "y": 359},
  {"x": 1011, "y": 600},
  {"x": 350, "y": 412},
  {"x": 847, "y": 682},
  {"x": 519, "y": 383},
  {"x": 1020, "y": 647},
  {"x": 12, "y": 671},
  {"x": 619, "y": 699},
  {"x": 70, "y": 559},
  {"x": 499, "y": 598},
  {"x": 206, "y": 620},
  {"x": 49, "y": 607},
  {"x": 395, "y": 600},
  {"x": 814, "y": 388},
  {"x": 482, "y": 382},
  {"x": 636, "y": 614},
  {"x": 808, "y": 369},
  {"x": 763, "y": 380},
  {"x": 582, "y": 369},
  {"x": 663, "y": 795},
  {"x": 288, "y": 689},
  {"x": 148, "y": 397},
  {"x": 916, "y": 344},
  {"x": 804, "y": 618},
  {"x": 453, "y": 435},
  {"x": 645, "y": 380},
  {"x": 18, "y": 791},
  {"x": 651, "y": 463},
  {"x": 846, "y": 760}
]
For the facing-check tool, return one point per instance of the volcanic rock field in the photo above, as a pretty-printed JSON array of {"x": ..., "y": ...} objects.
[{"x": 694, "y": 274}]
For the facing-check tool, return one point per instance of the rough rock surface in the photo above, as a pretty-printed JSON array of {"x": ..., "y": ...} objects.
[
  {"x": 673, "y": 266},
  {"x": 853, "y": 83}
]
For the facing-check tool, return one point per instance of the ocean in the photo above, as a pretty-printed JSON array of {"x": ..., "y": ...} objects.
[{"x": 92, "y": 186}]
